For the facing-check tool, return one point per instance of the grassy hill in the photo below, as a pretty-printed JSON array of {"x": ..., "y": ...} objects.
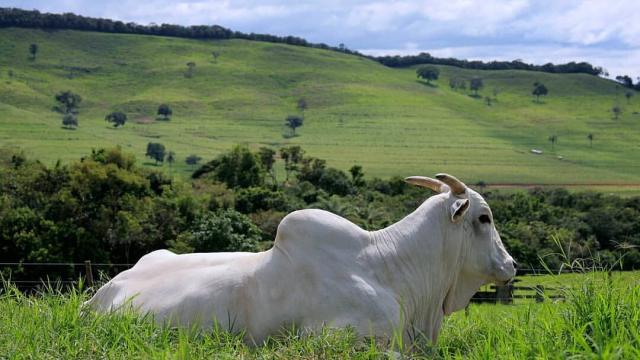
[{"x": 359, "y": 112}]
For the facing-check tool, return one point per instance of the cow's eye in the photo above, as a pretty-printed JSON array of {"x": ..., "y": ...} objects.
[{"x": 485, "y": 219}]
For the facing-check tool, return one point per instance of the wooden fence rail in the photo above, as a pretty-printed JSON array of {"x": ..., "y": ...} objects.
[{"x": 506, "y": 294}]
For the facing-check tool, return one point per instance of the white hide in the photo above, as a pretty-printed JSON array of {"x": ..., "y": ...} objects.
[{"x": 324, "y": 270}]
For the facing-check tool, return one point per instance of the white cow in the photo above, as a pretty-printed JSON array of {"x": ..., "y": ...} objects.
[{"x": 324, "y": 270}]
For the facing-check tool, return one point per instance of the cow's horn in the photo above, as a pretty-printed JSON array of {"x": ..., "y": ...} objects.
[
  {"x": 457, "y": 186},
  {"x": 433, "y": 184}
]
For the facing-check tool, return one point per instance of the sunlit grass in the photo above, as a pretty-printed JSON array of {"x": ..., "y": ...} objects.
[
  {"x": 600, "y": 318},
  {"x": 359, "y": 112}
]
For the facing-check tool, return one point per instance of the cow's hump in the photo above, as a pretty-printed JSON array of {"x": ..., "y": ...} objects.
[{"x": 317, "y": 227}]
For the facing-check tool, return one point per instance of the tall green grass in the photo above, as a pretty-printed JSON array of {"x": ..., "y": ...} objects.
[{"x": 600, "y": 318}]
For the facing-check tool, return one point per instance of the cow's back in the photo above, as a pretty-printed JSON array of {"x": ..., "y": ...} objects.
[{"x": 181, "y": 289}]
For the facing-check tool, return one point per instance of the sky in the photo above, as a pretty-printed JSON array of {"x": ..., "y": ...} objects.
[{"x": 604, "y": 33}]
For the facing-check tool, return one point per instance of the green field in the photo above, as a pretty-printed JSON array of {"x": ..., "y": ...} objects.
[
  {"x": 600, "y": 319},
  {"x": 359, "y": 112}
]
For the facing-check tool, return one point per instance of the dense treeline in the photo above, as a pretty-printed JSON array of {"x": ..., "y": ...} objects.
[
  {"x": 426, "y": 58},
  {"x": 107, "y": 209},
  {"x": 13, "y": 17}
]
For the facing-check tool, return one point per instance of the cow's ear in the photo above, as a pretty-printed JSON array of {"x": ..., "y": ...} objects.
[{"x": 458, "y": 209}]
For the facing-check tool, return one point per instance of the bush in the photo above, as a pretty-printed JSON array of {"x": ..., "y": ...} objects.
[
  {"x": 256, "y": 198},
  {"x": 224, "y": 230}
]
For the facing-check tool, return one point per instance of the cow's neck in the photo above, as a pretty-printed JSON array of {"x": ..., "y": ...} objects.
[{"x": 419, "y": 258}]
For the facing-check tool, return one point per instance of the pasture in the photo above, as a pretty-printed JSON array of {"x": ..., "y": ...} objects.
[
  {"x": 359, "y": 112},
  {"x": 600, "y": 318}
]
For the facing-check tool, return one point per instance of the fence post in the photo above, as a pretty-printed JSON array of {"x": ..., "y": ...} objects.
[
  {"x": 539, "y": 293},
  {"x": 88, "y": 273},
  {"x": 504, "y": 293}
]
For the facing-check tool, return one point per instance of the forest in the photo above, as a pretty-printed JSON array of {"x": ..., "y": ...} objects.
[{"x": 106, "y": 208}]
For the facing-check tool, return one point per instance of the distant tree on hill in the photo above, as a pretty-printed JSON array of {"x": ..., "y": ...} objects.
[
  {"x": 190, "y": 69},
  {"x": 118, "y": 118},
  {"x": 487, "y": 100},
  {"x": 215, "y": 55},
  {"x": 33, "y": 50},
  {"x": 155, "y": 151},
  {"x": 457, "y": 84},
  {"x": 539, "y": 90},
  {"x": 553, "y": 139},
  {"x": 453, "y": 83},
  {"x": 590, "y": 137},
  {"x": 302, "y": 104},
  {"x": 69, "y": 121},
  {"x": 357, "y": 175},
  {"x": 617, "y": 111},
  {"x": 475, "y": 84},
  {"x": 428, "y": 73},
  {"x": 171, "y": 158},
  {"x": 628, "y": 95},
  {"x": 462, "y": 85},
  {"x": 293, "y": 122},
  {"x": 69, "y": 102},
  {"x": 192, "y": 159},
  {"x": 165, "y": 111},
  {"x": 625, "y": 80}
]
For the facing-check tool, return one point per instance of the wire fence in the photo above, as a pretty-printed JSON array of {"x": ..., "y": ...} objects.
[{"x": 83, "y": 272}]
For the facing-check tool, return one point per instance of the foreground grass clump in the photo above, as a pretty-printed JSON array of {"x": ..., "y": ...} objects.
[{"x": 599, "y": 319}]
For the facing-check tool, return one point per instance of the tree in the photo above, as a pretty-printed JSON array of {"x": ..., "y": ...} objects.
[
  {"x": 628, "y": 95},
  {"x": 453, "y": 83},
  {"x": 590, "y": 137},
  {"x": 165, "y": 111},
  {"x": 462, "y": 85},
  {"x": 239, "y": 168},
  {"x": 118, "y": 118},
  {"x": 192, "y": 159},
  {"x": 224, "y": 230},
  {"x": 268, "y": 158},
  {"x": 553, "y": 139},
  {"x": 293, "y": 122},
  {"x": 215, "y": 55},
  {"x": 155, "y": 151},
  {"x": 68, "y": 101},
  {"x": 625, "y": 80},
  {"x": 475, "y": 84},
  {"x": 428, "y": 73},
  {"x": 357, "y": 176},
  {"x": 70, "y": 121},
  {"x": 539, "y": 90},
  {"x": 171, "y": 158},
  {"x": 302, "y": 104},
  {"x": 487, "y": 99},
  {"x": 292, "y": 156},
  {"x": 190, "y": 69},
  {"x": 33, "y": 50},
  {"x": 617, "y": 110}
]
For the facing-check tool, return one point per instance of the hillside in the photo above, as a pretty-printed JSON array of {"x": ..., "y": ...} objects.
[{"x": 359, "y": 112}]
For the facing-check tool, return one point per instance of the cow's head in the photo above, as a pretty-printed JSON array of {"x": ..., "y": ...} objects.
[{"x": 483, "y": 255}]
